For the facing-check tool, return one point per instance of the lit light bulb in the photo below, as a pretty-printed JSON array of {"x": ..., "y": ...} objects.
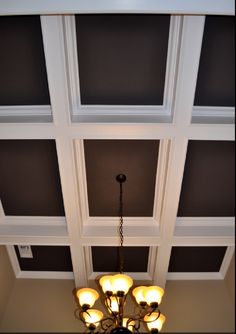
[
  {"x": 154, "y": 321},
  {"x": 87, "y": 297},
  {"x": 92, "y": 317}
]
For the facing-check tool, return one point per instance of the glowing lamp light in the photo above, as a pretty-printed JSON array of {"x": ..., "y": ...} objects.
[
  {"x": 153, "y": 294},
  {"x": 92, "y": 317},
  {"x": 87, "y": 297},
  {"x": 138, "y": 295},
  {"x": 121, "y": 283},
  {"x": 106, "y": 283},
  {"x": 154, "y": 321}
]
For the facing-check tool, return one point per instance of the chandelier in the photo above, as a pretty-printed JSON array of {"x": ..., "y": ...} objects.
[{"x": 115, "y": 289}]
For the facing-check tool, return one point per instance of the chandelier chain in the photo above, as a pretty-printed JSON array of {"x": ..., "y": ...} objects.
[{"x": 121, "y": 253}]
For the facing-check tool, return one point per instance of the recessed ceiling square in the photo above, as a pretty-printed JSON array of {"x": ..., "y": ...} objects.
[
  {"x": 122, "y": 58},
  {"x": 46, "y": 258},
  {"x": 106, "y": 259},
  {"x": 196, "y": 259},
  {"x": 208, "y": 188},
  {"x": 29, "y": 178},
  {"x": 216, "y": 77},
  {"x": 23, "y": 79},
  {"x": 104, "y": 160}
]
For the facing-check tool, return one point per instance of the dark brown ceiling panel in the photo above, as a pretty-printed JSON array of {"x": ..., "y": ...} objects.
[
  {"x": 208, "y": 188},
  {"x": 46, "y": 258},
  {"x": 29, "y": 178},
  {"x": 105, "y": 159},
  {"x": 106, "y": 259},
  {"x": 216, "y": 77},
  {"x": 122, "y": 58},
  {"x": 23, "y": 79},
  {"x": 196, "y": 259}
]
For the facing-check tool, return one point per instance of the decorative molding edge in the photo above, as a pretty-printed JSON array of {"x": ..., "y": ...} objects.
[
  {"x": 194, "y": 276},
  {"x": 206, "y": 275},
  {"x": 227, "y": 260},
  {"x": 28, "y": 114},
  {"x": 205, "y": 221},
  {"x": 32, "y": 221},
  {"x": 163, "y": 158},
  {"x": 110, "y": 113},
  {"x": 34, "y": 274},
  {"x": 213, "y": 111},
  {"x": 136, "y": 276}
]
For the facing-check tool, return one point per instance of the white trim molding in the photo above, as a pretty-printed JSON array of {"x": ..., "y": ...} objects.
[
  {"x": 111, "y": 113},
  {"x": 135, "y": 275},
  {"x": 214, "y": 115},
  {"x": 29, "y": 7},
  {"x": 25, "y": 114}
]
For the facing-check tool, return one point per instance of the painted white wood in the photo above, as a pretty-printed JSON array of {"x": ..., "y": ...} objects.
[
  {"x": 188, "y": 68},
  {"x": 52, "y": 31},
  {"x": 70, "y": 196},
  {"x": 204, "y": 240},
  {"x": 118, "y": 131},
  {"x": 103, "y": 113},
  {"x": 213, "y": 114},
  {"x": 107, "y": 236},
  {"x": 194, "y": 276},
  {"x": 45, "y": 275},
  {"x": 163, "y": 156},
  {"x": 214, "y": 7},
  {"x": 82, "y": 181},
  {"x": 13, "y": 259},
  {"x": 26, "y": 114},
  {"x": 77, "y": 229},
  {"x": 226, "y": 262},
  {"x": 205, "y": 221},
  {"x": 33, "y": 235},
  {"x": 33, "y": 220}
]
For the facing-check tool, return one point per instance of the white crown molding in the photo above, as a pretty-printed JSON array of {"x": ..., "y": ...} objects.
[
  {"x": 227, "y": 260},
  {"x": 33, "y": 221}
]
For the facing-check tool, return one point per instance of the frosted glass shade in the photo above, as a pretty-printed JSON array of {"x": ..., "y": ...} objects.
[
  {"x": 138, "y": 294},
  {"x": 87, "y": 296},
  {"x": 114, "y": 306},
  {"x": 105, "y": 283},
  {"x": 121, "y": 282},
  {"x": 153, "y": 294},
  {"x": 115, "y": 283},
  {"x": 155, "y": 322},
  {"x": 92, "y": 316}
]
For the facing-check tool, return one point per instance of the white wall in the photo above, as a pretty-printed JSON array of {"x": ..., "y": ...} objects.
[
  {"x": 48, "y": 306},
  {"x": 7, "y": 279}
]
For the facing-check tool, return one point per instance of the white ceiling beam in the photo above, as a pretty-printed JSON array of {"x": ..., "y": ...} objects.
[
  {"x": 215, "y": 7},
  {"x": 185, "y": 89}
]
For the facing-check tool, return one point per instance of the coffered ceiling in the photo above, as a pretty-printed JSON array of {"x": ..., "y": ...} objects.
[{"x": 98, "y": 91}]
